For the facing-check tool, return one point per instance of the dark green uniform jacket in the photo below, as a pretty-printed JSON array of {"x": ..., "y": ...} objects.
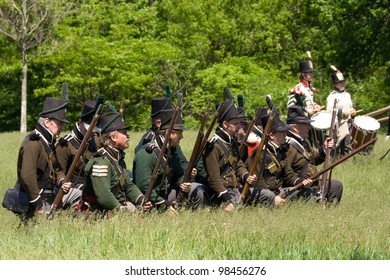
[
  {"x": 107, "y": 180},
  {"x": 35, "y": 172},
  {"x": 170, "y": 173},
  {"x": 224, "y": 169},
  {"x": 150, "y": 137}
]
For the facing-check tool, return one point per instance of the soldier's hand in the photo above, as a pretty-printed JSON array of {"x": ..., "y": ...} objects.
[
  {"x": 279, "y": 200},
  {"x": 317, "y": 108},
  {"x": 309, "y": 109},
  {"x": 39, "y": 212},
  {"x": 252, "y": 179},
  {"x": 194, "y": 172},
  {"x": 329, "y": 143},
  {"x": 172, "y": 211},
  {"x": 307, "y": 183},
  {"x": 66, "y": 187},
  {"x": 229, "y": 207},
  {"x": 147, "y": 206},
  {"x": 185, "y": 187}
]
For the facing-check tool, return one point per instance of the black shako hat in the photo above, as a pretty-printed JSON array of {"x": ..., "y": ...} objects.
[
  {"x": 166, "y": 117},
  {"x": 158, "y": 105},
  {"x": 228, "y": 111},
  {"x": 306, "y": 66},
  {"x": 337, "y": 77},
  {"x": 263, "y": 112},
  {"x": 112, "y": 121},
  {"x": 90, "y": 107},
  {"x": 277, "y": 124},
  {"x": 54, "y": 108},
  {"x": 296, "y": 114},
  {"x": 88, "y": 111}
]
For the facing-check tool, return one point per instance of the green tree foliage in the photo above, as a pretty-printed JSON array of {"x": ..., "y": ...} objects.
[{"x": 133, "y": 49}]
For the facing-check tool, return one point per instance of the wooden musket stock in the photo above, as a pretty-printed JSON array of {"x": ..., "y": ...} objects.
[
  {"x": 252, "y": 123},
  {"x": 122, "y": 109},
  {"x": 208, "y": 132},
  {"x": 194, "y": 156},
  {"x": 258, "y": 152}
]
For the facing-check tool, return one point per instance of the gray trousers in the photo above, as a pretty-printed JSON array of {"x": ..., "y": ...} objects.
[
  {"x": 262, "y": 197},
  {"x": 69, "y": 199},
  {"x": 194, "y": 199}
]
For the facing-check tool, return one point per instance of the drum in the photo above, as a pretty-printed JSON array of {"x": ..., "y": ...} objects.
[
  {"x": 320, "y": 127},
  {"x": 364, "y": 129}
]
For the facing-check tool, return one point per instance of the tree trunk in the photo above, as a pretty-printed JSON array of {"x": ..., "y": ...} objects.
[{"x": 23, "y": 107}]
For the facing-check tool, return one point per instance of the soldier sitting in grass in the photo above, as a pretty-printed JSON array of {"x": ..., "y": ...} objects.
[
  {"x": 274, "y": 172},
  {"x": 170, "y": 174},
  {"x": 303, "y": 157},
  {"x": 107, "y": 183},
  {"x": 35, "y": 161},
  {"x": 68, "y": 146},
  {"x": 226, "y": 173},
  {"x": 160, "y": 104}
]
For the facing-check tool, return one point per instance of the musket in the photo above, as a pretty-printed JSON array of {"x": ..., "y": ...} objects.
[
  {"x": 328, "y": 150},
  {"x": 259, "y": 152},
  {"x": 122, "y": 108},
  {"x": 329, "y": 167},
  {"x": 194, "y": 156},
  {"x": 75, "y": 161},
  {"x": 250, "y": 126},
  {"x": 160, "y": 156},
  {"x": 208, "y": 132}
]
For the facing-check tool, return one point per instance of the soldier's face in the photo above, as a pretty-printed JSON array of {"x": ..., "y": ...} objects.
[
  {"x": 156, "y": 122},
  {"x": 121, "y": 139},
  {"x": 278, "y": 137},
  {"x": 308, "y": 76},
  {"x": 232, "y": 126},
  {"x": 302, "y": 129},
  {"x": 175, "y": 137},
  {"x": 55, "y": 127},
  {"x": 340, "y": 86}
]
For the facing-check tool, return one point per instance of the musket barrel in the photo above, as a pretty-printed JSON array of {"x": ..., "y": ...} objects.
[
  {"x": 122, "y": 108},
  {"x": 252, "y": 123},
  {"x": 194, "y": 156},
  {"x": 328, "y": 150},
  {"x": 337, "y": 162},
  {"x": 258, "y": 152},
  {"x": 208, "y": 132},
  {"x": 378, "y": 112},
  {"x": 160, "y": 156}
]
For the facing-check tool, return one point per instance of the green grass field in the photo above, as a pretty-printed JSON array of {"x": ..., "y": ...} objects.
[{"x": 357, "y": 229}]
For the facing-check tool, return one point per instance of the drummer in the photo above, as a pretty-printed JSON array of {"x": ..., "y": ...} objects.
[
  {"x": 345, "y": 112},
  {"x": 302, "y": 94}
]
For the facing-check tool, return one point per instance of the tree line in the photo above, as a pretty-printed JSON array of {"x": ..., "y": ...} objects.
[{"x": 134, "y": 49}]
